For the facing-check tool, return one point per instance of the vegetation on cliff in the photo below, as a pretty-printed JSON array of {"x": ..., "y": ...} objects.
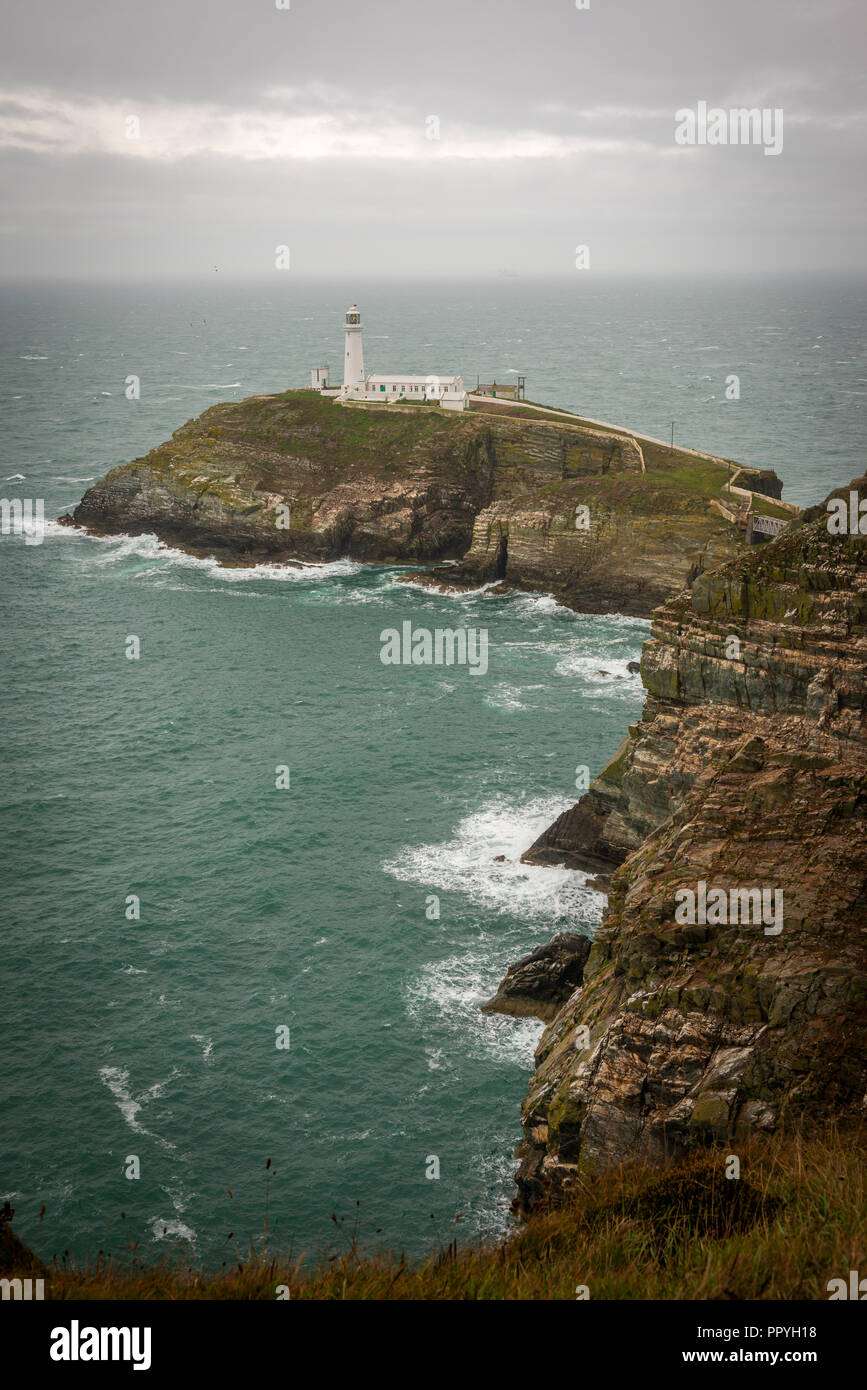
[
  {"x": 746, "y": 772},
  {"x": 793, "y": 1221},
  {"x": 297, "y": 477}
]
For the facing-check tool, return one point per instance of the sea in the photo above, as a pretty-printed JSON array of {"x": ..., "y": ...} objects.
[{"x": 253, "y": 890}]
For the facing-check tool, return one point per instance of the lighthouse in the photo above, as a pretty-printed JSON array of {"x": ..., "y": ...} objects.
[
  {"x": 353, "y": 361},
  {"x": 404, "y": 388}
]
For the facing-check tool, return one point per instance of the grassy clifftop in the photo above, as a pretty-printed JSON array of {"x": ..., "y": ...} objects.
[
  {"x": 297, "y": 476},
  {"x": 793, "y": 1221}
]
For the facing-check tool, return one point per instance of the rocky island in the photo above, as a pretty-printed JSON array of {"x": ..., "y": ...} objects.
[{"x": 526, "y": 497}]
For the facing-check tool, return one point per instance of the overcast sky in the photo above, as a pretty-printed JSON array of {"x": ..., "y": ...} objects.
[{"x": 309, "y": 127}]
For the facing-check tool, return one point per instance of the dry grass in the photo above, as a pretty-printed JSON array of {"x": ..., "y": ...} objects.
[{"x": 794, "y": 1220}]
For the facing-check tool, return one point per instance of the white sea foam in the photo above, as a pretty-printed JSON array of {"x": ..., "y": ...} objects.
[
  {"x": 65, "y": 533},
  {"x": 535, "y": 604},
  {"x": 206, "y": 386},
  {"x": 157, "y": 1091},
  {"x": 172, "y": 1230},
  {"x": 601, "y": 673},
  {"x": 464, "y": 864},
  {"x": 486, "y": 1206},
  {"x": 450, "y": 992},
  {"x": 333, "y": 569},
  {"x": 445, "y": 591},
  {"x": 506, "y": 697},
  {"x": 180, "y": 1199},
  {"x": 117, "y": 1080},
  {"x": 123, "y": 547},
  {"x": 207, "y": 1045},
  {"x": 353, "y": 597}
]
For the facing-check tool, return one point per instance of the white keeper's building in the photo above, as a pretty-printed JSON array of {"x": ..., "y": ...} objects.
[{"x": 401, "y": 386}]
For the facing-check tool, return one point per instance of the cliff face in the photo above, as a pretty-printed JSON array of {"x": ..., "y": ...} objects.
[
  {"x": 376, "y": 485},
  {"x": 638, "y": 547},
  {"x": 297, "y": 477},
  {"x": 748, "y": 769}
]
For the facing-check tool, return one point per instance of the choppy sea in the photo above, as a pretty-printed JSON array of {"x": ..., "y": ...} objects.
[{"x": 313, "y": 907}]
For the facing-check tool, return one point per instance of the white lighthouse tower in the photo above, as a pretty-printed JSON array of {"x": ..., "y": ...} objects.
[
  {"x": 353, "y": 361},
  {"x": 403, "y": 389}
]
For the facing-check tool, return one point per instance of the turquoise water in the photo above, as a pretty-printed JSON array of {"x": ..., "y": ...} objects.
[{"x": 305, "y": 907}]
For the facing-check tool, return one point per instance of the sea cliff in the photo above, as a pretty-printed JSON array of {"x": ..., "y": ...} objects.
[
  {"x": 605, "y": 520},
  {"x": 747, "y": 769}
]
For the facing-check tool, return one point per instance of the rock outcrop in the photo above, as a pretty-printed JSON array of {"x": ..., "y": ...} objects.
[
  {"x": 539, "y": 985},
  {"x": 747, "y": 771},
  {"x": 534, "y": 502},
  {"x": 295, "y": 477},
  {"x": 640, "y": 545}
]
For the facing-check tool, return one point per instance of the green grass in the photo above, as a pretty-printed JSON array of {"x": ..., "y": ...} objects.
[
  {"x": 795, "y": 1218},
  {"x": 256, "y": 443},
  {"x": 706, "y": 478},
  {"x": 767, "y": 507},
  {"x": 303, "y": 445}
]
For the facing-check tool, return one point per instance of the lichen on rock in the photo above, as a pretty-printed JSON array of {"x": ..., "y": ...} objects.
[{"x": 744, "y": 771}]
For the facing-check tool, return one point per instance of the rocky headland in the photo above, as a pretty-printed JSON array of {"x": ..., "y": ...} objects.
[
  {"x": 746, "y": 770},
  {"x": 297, "y": 477}
]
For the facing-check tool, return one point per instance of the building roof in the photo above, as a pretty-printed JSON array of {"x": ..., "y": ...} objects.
[{"x": 428, "y": 380}]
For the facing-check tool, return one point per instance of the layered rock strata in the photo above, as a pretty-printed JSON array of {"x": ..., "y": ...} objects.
[
  {"x": 747, "y": 771},
  {"x": 539, "y": 984},
  {"x": 296, "y": 477}
]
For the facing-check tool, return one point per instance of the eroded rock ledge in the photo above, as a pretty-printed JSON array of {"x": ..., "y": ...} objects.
[
  {"x": 747, "y": 772},
  {"x": 539, "y": 985}
]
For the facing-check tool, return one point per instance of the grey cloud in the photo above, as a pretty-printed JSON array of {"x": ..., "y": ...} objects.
[{"x": 231, "y": 90}]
